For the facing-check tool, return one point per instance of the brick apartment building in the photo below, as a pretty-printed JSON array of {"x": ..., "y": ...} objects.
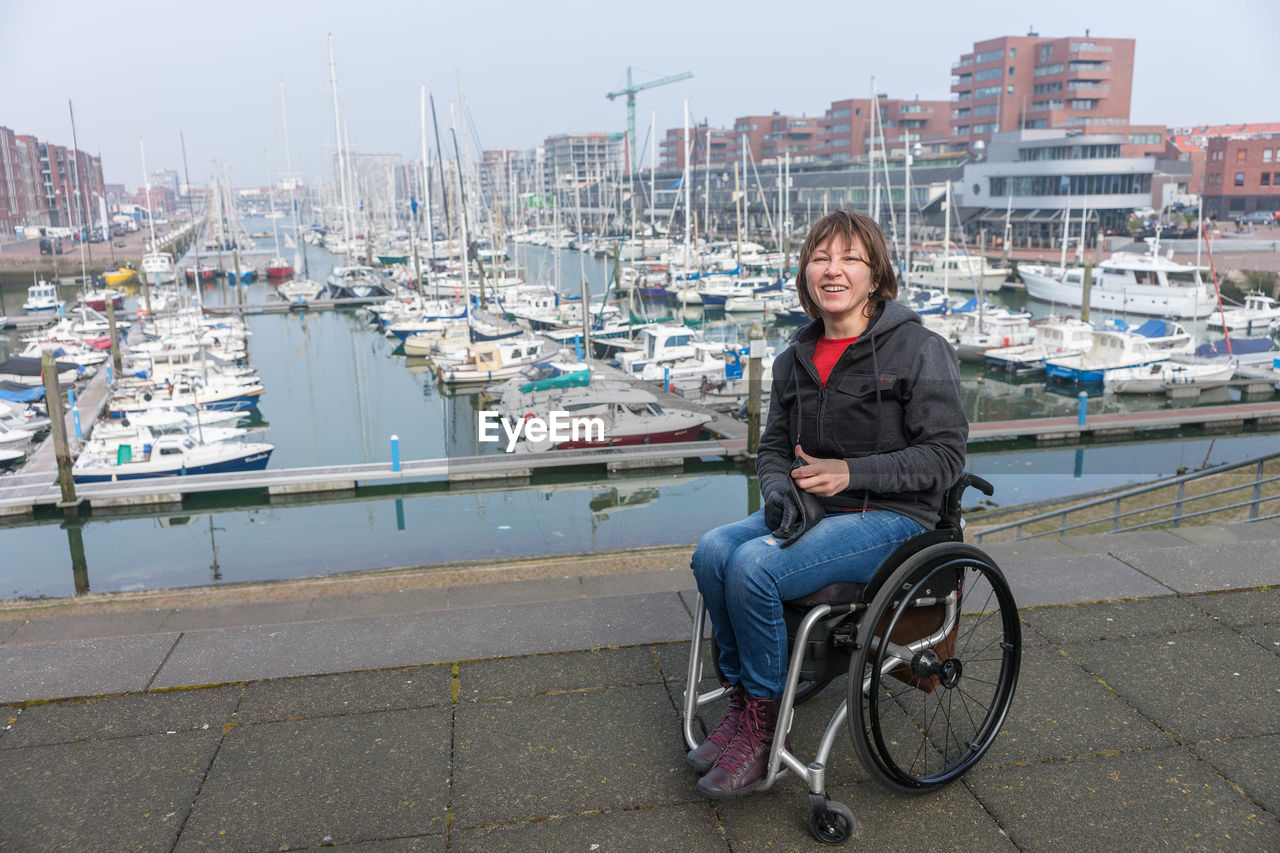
[
  {"x": 1030, "y": 82},
  {"x": 842, "y": 134},
  {"x": 1242, "y": 174},
  {"x": 38, "y": 183},
  {"x": 13, "y": 209},
  {"x": 725, "y": 147},
  {"x": 847, "y": 126}
]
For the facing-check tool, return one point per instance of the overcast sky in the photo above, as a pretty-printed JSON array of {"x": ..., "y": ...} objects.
[{"x": 151, "y": 68}]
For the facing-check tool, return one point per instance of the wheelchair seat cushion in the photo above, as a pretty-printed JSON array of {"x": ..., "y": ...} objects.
[{"x": 841, "y": 592}]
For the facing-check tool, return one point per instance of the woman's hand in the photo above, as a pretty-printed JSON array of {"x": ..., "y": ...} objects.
[{"x": 824, "y": 477}]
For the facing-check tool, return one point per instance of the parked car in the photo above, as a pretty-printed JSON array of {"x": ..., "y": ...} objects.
[{"x": 1259, "y": 217}]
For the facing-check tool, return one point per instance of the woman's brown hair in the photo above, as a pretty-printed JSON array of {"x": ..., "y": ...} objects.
[{"x": 848, "y": 223}]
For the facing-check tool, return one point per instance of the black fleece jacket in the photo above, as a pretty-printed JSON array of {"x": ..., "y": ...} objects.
[{"x": 891, "y": 409}]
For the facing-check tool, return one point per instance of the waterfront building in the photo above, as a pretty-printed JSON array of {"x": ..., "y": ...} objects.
[
  {"x": 586, "y": 156},
  {"x": 44, "y": 185},
  {"x": 1037, "y": 178},
  {"x": 848, "y": 130},
  {"x": 726, "y": 147},
  {"x": 1031, "y": 82},
  {"x": 12, "y": 203},
  {"x": 581, "y": 169},
  {"x": 32, "y": 184},
  {"x": 167, "y": 178},
  {"x": 1241, "y": 169},
  {"x": 768, "y": 137}
]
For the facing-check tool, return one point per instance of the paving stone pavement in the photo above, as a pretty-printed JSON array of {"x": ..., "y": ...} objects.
[{"x": 546, "y": 716}]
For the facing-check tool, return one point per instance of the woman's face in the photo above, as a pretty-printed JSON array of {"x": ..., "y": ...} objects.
[{"x": 839, "y": 279}]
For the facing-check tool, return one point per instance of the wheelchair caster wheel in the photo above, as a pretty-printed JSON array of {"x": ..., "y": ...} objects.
[{"x": 831, "y": 823}]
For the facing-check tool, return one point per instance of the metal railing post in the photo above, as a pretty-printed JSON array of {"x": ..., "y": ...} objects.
[
  {"x": 1177, "y": 512},
  {"x": 1257, "y": 492}
]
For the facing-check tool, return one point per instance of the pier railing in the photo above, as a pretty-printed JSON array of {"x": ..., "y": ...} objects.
[{"x": 1238, "y": 493}]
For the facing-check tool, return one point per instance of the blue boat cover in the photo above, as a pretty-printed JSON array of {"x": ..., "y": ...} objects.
[
  {"x": 17, "y": 393},
  {"x": 1153, "y": 329},
  {"x": 1239, "y": 346}
]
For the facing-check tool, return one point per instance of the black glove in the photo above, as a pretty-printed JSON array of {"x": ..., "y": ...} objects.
[
  {"x": 780, "y": 510},
  {"x": 806, "y": 511}
]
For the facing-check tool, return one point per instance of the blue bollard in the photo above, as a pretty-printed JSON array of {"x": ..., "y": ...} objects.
[
  {"x": 110, "y": 376},
  {"x": 395, "y": 453},
  {"x": 1083, "y": 411},
  {"x": 75, "y": 412},
  {"x": 666, "y": 379}
]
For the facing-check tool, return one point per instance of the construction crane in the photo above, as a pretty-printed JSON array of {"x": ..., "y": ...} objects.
[{"x": 630, "y": 92}]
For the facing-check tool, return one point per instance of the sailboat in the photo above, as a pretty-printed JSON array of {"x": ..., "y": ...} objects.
[
  {"x": 278, "y": 269},
  {"x": 156, "y": 265}
]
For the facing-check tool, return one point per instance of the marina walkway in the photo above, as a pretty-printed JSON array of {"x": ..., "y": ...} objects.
[
  {"x": 23, "y": 492},
  {"x": 533, "y": 706}
]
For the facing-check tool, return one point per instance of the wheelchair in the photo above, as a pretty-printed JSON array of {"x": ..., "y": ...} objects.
[{"x": 932, "y": 646}]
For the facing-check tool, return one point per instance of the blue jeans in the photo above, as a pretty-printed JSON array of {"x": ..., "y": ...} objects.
[{"x": 744, "y": 576}]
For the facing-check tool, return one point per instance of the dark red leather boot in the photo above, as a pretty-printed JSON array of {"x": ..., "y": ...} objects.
[
  {"x": 709, "y": 750},
  {"x": 741, "y": 767}
]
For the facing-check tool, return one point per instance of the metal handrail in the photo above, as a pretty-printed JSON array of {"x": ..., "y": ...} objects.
[{"x": 1176, "y": 517}]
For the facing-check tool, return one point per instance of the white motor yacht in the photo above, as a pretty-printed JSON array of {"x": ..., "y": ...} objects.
[{"x": 1126, "y": 283}]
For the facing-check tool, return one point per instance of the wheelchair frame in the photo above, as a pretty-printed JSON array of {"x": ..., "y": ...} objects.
[{"x": 936, "y": 552}]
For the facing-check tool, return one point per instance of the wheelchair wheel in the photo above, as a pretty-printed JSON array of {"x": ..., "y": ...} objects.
[
  {"x": 805, "y": 690},
  {"x": 831, "y": 823},
  {"x": 930, "y": 684}
]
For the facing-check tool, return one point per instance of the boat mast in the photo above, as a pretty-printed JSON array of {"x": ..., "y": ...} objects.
[
  {"x": 688, "y": 195},
  {"x": 1066, "y": 235},
  {"x": 706, "y": 201},
  {"x": 946, "y": 246},
  {"x": 337, "y": 130},
  {"x": 653, "y": 153},
  {"x": 82, "y": 203},
  {"x": 192, "y": 213},
  {"x": 300, "y": 247},
  {"x": 1008, "y": 233},
  {"x": 426, "y": 184}
]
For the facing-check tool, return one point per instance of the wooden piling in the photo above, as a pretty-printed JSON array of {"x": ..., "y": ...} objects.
[{"x": 58, "y": 431}]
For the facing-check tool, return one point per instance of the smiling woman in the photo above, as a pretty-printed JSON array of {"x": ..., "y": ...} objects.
[{"x": 864, "y": 414}]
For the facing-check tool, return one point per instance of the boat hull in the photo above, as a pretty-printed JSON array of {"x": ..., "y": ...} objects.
[
  {"x": 1147, "y": 300},
  {"x": 254, "y": 461},
  {"x": 670, "y": 437}
]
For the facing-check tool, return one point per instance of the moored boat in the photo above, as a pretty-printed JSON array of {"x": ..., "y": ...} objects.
[
  {"x": 169, "y": 456},
  {"x": 1259, "y": 310},
  {"x": 621, "y": 414},
  {"x": 1167, "y": 375},
  {"x": 122, "y": 275},
  {"x": 97, "y": 299},
  {"x": 956, "y": 270},
  {"x": 42, "y": 298},
  {"x": 279, "y": 269},
  {"x": 1054, "y": 337},
  {"x": 494, "y": 361},
  {"x": 1154, "y": 341},
  {"x": 1127, "y": 283}
]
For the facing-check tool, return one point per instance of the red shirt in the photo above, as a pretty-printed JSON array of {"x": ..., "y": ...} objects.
[{"x": 826, "y": 352}]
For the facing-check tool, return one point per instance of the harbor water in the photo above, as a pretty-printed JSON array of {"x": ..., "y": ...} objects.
[{"x": 337, "y": 390}]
